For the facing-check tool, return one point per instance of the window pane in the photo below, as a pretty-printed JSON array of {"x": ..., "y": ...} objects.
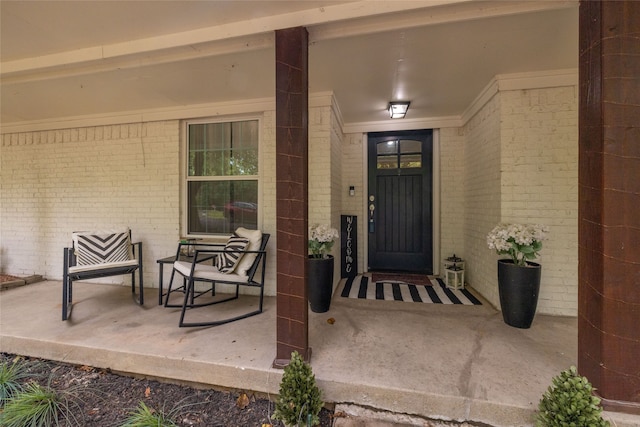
[
  {"x": 223, "y": 149},
  {"x": 387, "y": 162},
  {"x": 387, "y": 147},
  {"x": 410, "y": 146},
  {"x": 410, "y": 161},
  {"x": 219, "y": 207}
]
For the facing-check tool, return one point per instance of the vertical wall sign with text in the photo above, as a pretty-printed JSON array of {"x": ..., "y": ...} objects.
[{"x": 349, "y": 245}]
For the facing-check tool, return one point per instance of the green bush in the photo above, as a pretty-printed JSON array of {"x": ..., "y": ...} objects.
[
  {"x": 569, "y": 402},
  {"x": 299, "y": 401}
]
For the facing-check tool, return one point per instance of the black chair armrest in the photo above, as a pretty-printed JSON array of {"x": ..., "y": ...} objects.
[
  {"x": 137, "y": 250},
  {"x": 196, "y": 245},
  {"x": 69, "y": 257}
]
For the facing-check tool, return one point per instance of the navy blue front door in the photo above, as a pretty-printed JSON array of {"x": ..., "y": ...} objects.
[{"x": 399, "y": 202}]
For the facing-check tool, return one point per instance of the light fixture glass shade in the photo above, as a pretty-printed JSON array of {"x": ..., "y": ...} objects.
[{"x": 398, "y": 109}]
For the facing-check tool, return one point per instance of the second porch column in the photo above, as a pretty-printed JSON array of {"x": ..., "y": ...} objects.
[
  {"x": 609, "y": 200},
  {"x": 292, "y": 107}
]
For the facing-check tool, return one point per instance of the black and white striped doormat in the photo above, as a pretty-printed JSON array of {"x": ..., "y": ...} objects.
[{"x": 363, "y": 288}]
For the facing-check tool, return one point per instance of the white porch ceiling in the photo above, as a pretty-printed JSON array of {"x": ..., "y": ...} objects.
[{"x": 65, "y": 59}]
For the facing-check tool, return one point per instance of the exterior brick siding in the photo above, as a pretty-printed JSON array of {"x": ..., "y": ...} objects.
[
  {"x": 521, "y": 165},
  {"x": 515, "y": 159}
]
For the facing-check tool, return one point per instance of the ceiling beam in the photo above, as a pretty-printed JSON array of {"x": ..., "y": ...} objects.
[{"x": 330, "y": 22}]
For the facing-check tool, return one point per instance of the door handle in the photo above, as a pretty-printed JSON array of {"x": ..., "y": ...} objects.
[{"x": 372, "y": 208}]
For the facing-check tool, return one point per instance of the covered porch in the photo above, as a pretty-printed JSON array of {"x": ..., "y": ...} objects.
[
  {"x": 427, "y": 360},
  {"x": 79, "y": 155}
]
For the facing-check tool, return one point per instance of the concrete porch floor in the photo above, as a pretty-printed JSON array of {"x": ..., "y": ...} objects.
[{"x": 432, "y": 361}]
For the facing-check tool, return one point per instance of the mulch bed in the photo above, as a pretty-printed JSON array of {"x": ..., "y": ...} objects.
[{"x": 106, "y": 399}]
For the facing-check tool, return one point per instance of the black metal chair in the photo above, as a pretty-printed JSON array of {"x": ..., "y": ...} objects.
[
  {"x": 199, "y": 268},
  {"x": 95, "y": 255}
]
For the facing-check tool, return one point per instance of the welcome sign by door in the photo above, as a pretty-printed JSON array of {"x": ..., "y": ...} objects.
[{"x": 349, "y": 245}]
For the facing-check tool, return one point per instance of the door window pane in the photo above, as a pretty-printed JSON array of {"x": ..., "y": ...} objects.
[
  {"x": 387, "y": 147},
  {"x": 410, "y": 146},
  {"x": 410, "y": 161},
  {"x": 403, "y": 154}
]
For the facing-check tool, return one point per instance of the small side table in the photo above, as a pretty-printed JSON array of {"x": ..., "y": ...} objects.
[
  {"x": 454, "y": 277},
  {"x": 161, "y": 262}
]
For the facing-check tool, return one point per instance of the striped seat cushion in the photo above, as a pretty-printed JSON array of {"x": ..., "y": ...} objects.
[
  {"x": 227, "y": 261},
  {"x": 102, "y": 247}
]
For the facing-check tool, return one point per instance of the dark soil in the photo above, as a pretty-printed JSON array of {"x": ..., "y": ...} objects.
[{"x": 106, "y": 399}]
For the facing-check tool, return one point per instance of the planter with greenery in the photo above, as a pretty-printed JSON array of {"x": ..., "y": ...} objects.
[
  {"x": 320, "y": 266},
  {"x": 518, "y": 276}
]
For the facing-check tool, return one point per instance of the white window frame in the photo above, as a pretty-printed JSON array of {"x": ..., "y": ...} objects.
[{"x": 185, "y": 178}]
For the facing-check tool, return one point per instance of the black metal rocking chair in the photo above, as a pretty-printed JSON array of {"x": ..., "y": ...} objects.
[{"x": 198, "y": 268}]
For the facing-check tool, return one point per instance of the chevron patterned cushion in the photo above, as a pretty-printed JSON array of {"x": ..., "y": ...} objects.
[
  {"x": 227, "y": 261},
  {"x": 102, "y": 247}
]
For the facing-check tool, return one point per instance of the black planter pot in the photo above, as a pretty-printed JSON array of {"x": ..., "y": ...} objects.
[
  {"x": 519, "y": 288},
  {"x": 320, "y": 283}
]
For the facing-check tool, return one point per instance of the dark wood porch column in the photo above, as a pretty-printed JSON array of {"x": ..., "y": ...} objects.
[
  {"x": 609, "y": 202},
  {"x": 292, "y": 99}
]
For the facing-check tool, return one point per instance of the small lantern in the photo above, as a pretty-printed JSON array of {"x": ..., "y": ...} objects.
[{"x": 454, "y": 277}]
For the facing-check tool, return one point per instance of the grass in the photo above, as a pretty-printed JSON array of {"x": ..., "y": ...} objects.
[
  {"x": 11, "y": 378},
  {"x": 40, "y": 406},
  {"x": 144, "y": 416}
]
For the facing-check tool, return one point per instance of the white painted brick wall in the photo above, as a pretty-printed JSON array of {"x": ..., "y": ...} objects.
[
  {"x": 353, "y": 165},
  {"x": 452, "y": 205},
  {"x": 320, "y": 166},
  {"x": 57, "y": 182},
  {"x": 521, "y": 157},
  {"x": 337, "y": 187},
  {"x": 325, "y": 139},
  {"x": 540, "y": 183},
  {"x": 482, "y": 197},
  {"x": 268, "y": 196}
]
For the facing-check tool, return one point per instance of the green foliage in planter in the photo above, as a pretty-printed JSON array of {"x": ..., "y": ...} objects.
[
  {"x": 299, "y": 402},
  {"x": 40, "y": 406},
  {"x": 569, "y": 402}
]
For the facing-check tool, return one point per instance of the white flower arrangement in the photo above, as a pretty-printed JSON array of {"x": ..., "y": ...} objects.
[
  {"x": 521, "y": 242},
  {"x": 321, "y": 238}
]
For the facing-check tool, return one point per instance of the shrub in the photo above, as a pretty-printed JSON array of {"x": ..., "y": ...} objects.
[
  {"x": 299, "y": 401},
  {"x": 11, "y": 378},
  {"x": 569, "y": 402},
  {"x": 144, "y": 416},
  {"x": 40, "y": 406}
]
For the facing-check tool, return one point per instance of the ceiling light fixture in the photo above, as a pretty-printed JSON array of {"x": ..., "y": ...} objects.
[{"x": 398, "y": 109}]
